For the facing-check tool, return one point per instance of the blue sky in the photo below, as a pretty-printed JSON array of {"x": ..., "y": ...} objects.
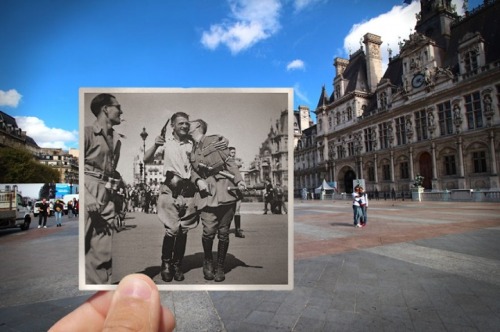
[{"x": 51, "y": 48}]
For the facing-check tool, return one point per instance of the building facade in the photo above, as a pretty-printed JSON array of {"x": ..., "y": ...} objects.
[
  {"x": 433, "y": 113},
  {"x": 272, "y": 161},
  {"x": 14, "y": 137}
]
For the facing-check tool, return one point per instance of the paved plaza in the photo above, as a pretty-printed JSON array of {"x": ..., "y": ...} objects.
[{"x": 429, "y": 266}]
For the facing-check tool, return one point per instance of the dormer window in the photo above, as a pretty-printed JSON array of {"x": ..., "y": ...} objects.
[
  {"x": 471, "y": 53},
  {"x": 383, "y": 100},
  {"x": 470, "y": 60}
]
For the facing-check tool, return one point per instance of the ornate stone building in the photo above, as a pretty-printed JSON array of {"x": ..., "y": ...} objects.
[
  {"x": 306, "y": 169},
  {"x": 272, "y": 160},
  {"x": 13, "y": 136},
  {"x": 434, "y": 112}
]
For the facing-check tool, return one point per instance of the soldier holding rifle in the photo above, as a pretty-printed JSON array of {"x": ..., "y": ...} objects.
[{"x": 176, "y": 209}]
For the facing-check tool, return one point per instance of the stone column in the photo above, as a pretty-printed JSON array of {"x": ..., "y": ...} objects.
[
  {"x": 392, "y": 166},
  {"x": 494, "y": 179},
  {"x": 434, "y": 167},
  {"x": 361, "y": 168},
  {"x": 461, "y": 178},
  {"x": 412, "y": 173}
]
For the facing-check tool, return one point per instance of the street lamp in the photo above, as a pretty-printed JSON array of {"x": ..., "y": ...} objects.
[
  {"x": 140, "y": 172},
  {"x": 144, "y": 135},
  {"x": 69, "y": 179}
]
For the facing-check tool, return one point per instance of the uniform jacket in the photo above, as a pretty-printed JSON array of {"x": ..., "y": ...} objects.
[{"x": 207, "y": 162}]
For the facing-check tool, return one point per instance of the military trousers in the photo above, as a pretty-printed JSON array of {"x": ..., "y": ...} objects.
[{"x": 217, "y": 220}]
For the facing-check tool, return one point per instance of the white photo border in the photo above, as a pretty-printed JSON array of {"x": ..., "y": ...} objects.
[{"x": 180, "y": 286}]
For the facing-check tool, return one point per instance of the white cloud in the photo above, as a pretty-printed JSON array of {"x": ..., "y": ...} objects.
[
  {"x": 10, "y": 98},
  {"x": 302, "y": 4},
  {"x": 295, "y": 65},
  {"x": 393, "y": 27},
  {"x": 300, "y": 94},
  {"x": 250, "y": 22},
  {"x": 47, "y": 137}
]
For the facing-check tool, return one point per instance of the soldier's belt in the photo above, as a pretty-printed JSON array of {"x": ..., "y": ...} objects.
[
  {"x": 207, "y": 171},
  {"x": 179, "y": 186},
  {"x": 111, "y": 183}
]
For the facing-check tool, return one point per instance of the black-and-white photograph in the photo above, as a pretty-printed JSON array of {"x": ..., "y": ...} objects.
[{"x": 190, "y": 186}]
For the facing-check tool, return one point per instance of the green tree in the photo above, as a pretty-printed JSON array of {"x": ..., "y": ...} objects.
[{"x": 19, "y": 166}]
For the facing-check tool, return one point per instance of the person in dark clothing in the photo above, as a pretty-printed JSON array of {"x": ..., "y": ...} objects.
[
  {"x": 268, "y": 195},
  {"x": 43, "y": 212}
]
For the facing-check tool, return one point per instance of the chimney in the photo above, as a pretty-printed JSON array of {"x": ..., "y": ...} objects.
[{"x": 373, "y": 60}]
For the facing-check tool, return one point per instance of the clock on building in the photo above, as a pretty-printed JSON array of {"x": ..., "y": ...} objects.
[{"x": 417, "y": 80}]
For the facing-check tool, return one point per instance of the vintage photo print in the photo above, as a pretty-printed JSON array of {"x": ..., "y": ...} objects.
[{"x": 190, "y": 186}]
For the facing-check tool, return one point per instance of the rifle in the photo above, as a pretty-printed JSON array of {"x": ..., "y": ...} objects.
[
  {"x": 223, "y": 173},
  {"x": 164, "y": 129},
  {"x": 257, "y": 186}
]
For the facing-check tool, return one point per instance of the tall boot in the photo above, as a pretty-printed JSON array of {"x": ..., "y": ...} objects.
[
  {"x": 179, "y": 251},
  {"x": 208, "y": 261},
  {"x": 167, "y": 273},
  {"x": 221, "y": 257},
  {"x": 237, "y": 225}
]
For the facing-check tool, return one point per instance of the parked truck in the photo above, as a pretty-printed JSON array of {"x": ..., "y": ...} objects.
[{"x": 14, "y": 211}]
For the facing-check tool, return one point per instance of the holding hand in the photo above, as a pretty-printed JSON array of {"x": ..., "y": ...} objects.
[
  {"x": 134, "y": 306},
  {"x": 242, "y": 186}
]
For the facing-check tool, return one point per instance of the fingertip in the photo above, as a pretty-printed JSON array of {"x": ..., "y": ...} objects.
[{"x": 136, "y": 286}]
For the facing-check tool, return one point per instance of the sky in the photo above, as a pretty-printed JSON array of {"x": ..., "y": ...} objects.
[{"x": 51, "y": 48}]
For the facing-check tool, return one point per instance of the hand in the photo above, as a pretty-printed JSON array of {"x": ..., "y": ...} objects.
[
  {"x": 202, "y": 185},
  {"x": 159, "y": 141},
  {"x": 134, "y": 306},
  {"x": 242, "y": 186},
  {"x": 221, "y": 144},
  {"x": 93, "y": 208}
]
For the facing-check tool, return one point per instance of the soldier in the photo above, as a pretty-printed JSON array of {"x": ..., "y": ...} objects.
[
  {"x": 101, "y": 154},
  {"x": 268, "y": 195},
  {"x": 176, "y": 209},
  {"x": 214, "y": 172},
  {"x": 238, "y": 232}
]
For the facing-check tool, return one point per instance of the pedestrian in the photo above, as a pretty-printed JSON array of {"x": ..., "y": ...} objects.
[
  {"x": 238, "y": 232},
  {"x": 43, "y": 212},
  {"x": 176, "y": 205},
  {"x": 304, "y": 194},
  {"x": 268, "y": 195},
  {"x": 70, "y": 208},
  {"x": 356, "y": 207},
  {"x": 214, "y": 172},
  {"x": 101, "y": 153},
  {"x": 58, "y": 210},
  {"x": 363, "y": 203},
  {"x": 393, "y": 194},
  {"x": 75, "y": 207},
  {"x": 280, "y": 199}
]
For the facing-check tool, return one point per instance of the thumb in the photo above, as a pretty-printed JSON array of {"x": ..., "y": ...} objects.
[{"x": 135, "y": 305}]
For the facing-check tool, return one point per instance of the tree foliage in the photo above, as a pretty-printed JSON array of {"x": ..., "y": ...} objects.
[{"x": 20, "y": 166}]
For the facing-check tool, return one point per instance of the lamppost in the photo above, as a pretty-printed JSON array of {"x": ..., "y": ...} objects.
[
  {"x": 144, "y": 135},
  {"x": 140, "y": 172},
  {"x": 69, "y": 179}
]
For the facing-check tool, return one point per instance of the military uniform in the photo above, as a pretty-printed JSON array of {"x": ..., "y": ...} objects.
[
  {"x": 102, "y": 151},
  {"x": 219, "y": 171},
  {"x": 176, "y": 206}
]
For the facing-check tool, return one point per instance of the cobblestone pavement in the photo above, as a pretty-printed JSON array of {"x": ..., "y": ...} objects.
[{"x": 430, "y": 266}]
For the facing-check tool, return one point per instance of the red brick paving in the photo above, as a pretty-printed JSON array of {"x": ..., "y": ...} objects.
[{"x": 429, "y": 220}]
